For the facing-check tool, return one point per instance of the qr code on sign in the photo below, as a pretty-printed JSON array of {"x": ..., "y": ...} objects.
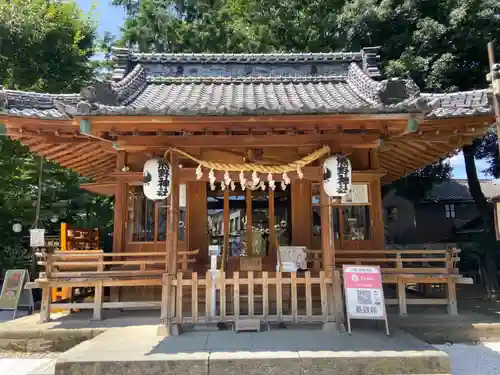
[{"x": 365, "y": 297}]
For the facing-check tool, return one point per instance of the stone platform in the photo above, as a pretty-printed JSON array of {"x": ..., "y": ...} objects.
[
  {"x": 297, "y": 350},
  {"x": 130, "y": 340}
]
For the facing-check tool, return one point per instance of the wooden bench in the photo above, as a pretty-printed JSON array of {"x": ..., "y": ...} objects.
[
  {"x": 90, "y": 268},
  {"x": 405, "y": 267}
]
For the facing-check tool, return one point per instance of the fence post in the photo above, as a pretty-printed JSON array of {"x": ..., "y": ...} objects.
[
  {"x": 46, "y": 290},
  {"x": 98, "y": 301},
  {"x": 167, "y": 312},
  {"x": 401, "y": 288}
]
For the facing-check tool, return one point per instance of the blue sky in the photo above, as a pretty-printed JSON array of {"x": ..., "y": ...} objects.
[
  {"x": 108, "y": 16},
  {"x": 458, "y": 165},
  {"x": 110, "y": 19}
]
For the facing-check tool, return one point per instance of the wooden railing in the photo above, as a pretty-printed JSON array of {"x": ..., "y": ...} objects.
[
  {"x": 267, "y": 296},
  {"x": 93, "y": 268},
  {"x": 406, "y": 267},
  {"x": 393, "y": 261}
]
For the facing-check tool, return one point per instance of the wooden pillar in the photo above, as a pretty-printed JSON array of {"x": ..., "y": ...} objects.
[
  {"x": 334, "y": 294},
  {"x": 378, "y": 230},
  {"x": 326, "y": 233},
  {"x": 301, "y": 212},
  {"x": 174, "y": 212},
  {"x": 168, "y": 293},
  {"x": 248, "y": 200},
  {"x": 378, "y": 233},
  {"x": 327, "y": 246},
  {"x": 120, "y": 216},
  {"x": 196, "y": 230},
  {"x": 225, "y": 249},
  {"x": 273, "y": 240}
]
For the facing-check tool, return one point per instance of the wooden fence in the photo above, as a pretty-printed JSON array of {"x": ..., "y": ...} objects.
[{"x": 267, "y": 296}]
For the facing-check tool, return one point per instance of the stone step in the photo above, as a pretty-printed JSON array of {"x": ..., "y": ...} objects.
[
  {"x": 47, "y": 368},
  {"x": 139, "y": 350}
]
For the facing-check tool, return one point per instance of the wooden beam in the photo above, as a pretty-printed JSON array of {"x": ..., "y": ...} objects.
[
  {"x": 65, "y": 151},
  {"x": 160, "y": 142},
  {"x": 99, "y": 167},
  {"x": 108, "y": 188},
  {"x": 90, "y": 163},
  {"x": 258, "y": 119},
  {"x": 82, "y": 154}
]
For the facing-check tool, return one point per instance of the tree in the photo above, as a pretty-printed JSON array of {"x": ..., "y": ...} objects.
[
  {"x": 45, "y": 46},
  {"x": 416, "y": 185},
  {"x": 440, "y": 44},
  {"x": 182, "y": 26}
]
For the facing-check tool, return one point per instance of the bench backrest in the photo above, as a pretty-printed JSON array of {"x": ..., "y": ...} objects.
[{"x": 394, "y": 261}]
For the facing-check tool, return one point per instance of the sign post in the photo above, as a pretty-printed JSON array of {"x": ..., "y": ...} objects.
[
  {"x": 14, "y": 294},
  {"x": 364, "y": 294}
]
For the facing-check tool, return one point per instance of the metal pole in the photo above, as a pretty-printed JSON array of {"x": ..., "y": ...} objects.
[
  {"x": 39, "y": 197},
  {"x": 496, "y": 107}
]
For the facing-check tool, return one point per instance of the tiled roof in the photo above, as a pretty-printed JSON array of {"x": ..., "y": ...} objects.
[
  {"x": 149, "y": 88},
  {"x": 458, "y": 191},
  {"x": 244, "y": 64},
  {"x": 258, "y": 95},
  {"x": 460, "y": 104}
]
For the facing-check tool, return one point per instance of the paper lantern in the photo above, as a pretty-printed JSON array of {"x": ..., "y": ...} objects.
[
  {"x": 337, "y": 176},
  {"x": 157, "y": 179}
]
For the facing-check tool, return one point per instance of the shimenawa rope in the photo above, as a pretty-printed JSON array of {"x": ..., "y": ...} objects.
[{"x": 253, "y": 167}]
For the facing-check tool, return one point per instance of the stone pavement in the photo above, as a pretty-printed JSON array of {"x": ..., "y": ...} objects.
[
  {"x": 27, "y": 366},
  {"x": 138, "y": 350}
]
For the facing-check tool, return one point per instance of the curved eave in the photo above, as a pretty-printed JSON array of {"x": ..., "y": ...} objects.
[
  {"x": 86, "y": 158},
  {"x": 403, "y": 155}
]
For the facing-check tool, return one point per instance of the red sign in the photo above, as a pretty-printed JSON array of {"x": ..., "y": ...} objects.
[{"x": 371, "y": 280}]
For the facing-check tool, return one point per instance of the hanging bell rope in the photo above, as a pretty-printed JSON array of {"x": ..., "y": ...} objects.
[{"x": 253, "y": 167}]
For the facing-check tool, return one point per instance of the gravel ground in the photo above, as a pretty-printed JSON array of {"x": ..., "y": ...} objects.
[{"x": 480, "y": 359}]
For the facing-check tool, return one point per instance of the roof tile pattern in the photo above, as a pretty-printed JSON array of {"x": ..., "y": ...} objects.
[
  {"x": 460, "y": 104},
  {"x": 457, "y": 190},
  {"x": 138, "y": 93},
  {"x": 257, "y": 95}
]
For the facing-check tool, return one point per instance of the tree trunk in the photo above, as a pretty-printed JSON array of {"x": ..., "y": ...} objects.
[{"x": 486, "y": 210}]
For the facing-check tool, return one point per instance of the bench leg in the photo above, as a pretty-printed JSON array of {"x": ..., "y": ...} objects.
[
  {"x": 452, "y": 298},
  {"x": 45, "y": 305},
  {"x": 402, "y": 298},
  {"x": 98, "y": 302}
]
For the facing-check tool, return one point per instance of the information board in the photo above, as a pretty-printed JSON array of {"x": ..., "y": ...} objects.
[
  {"x": 364, "y": 294},
  {"x": 14, "y": 295},
  {"x": 292, "y": 258},
  {"x": 37, "y": 237}
]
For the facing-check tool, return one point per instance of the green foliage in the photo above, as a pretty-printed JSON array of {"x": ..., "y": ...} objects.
[
  {"x": 45, "y": 46},
  {"x": 416, "y": 185},
  {"x": 441, "y": 44}
]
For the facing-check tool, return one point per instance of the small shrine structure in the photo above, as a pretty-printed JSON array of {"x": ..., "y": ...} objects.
[{"x": 240, "y": 143}]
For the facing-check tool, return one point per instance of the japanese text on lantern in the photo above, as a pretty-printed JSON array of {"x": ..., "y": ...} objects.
[
  {"x": 343, "y": 178},
  {"x": 163, "y": 178}
]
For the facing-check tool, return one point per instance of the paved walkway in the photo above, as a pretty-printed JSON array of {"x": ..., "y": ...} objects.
[{"x": 26, "y": 366}]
